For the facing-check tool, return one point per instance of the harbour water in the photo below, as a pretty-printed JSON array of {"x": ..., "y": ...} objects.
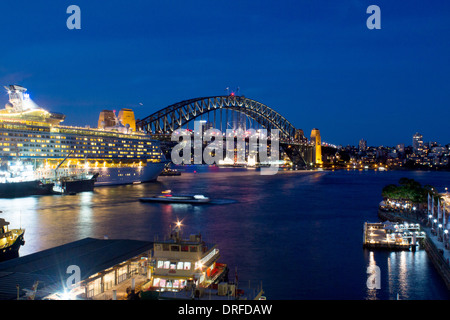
[{"x": 297, "y": 233}]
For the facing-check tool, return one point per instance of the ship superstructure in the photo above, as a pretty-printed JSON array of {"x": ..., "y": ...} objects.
[
  {"x": 180, "y": 263},
  {"x": 35, "y": 137}
]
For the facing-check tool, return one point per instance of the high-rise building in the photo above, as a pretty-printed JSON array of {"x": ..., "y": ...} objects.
[
  {"x": 417, "y": 142},
  {"x": 316, "y": 140},
  {"x": 400, "y": 147},
  {"x": 107, "y": 118},
  {"x": 126, "y": 117},
  {"x": 362, "y": 145}
]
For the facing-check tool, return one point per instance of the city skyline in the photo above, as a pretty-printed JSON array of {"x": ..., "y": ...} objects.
[
  {"x": 317, "y": 64},
  {"x": 424, "y": 140}
]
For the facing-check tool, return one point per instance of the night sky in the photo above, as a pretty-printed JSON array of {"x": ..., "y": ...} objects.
[{"x": 315, "y": 62}]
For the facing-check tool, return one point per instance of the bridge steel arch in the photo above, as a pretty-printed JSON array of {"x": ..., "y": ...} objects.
[{"x": 175, "y": 116}]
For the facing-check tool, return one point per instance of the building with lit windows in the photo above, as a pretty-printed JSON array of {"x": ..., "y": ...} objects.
[
  {"x": 362, "y": 145},
  {"x": 99, "y": 266},
  {"x": 417, "y": 143}
]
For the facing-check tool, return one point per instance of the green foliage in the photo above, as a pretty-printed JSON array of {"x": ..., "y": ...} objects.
[{"x": 409, "y": 190}]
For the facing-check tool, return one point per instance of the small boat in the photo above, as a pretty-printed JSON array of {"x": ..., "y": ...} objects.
[
  {"x": 10, "y": 241},
  {"x": 167, "y": 172},
  {"x": 170, "y": 198}
]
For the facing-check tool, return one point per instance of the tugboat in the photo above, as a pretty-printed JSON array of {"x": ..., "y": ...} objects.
[
  {"x": 75, "y": 184},
  {"x": 10, "y": 241},
  {"x": 179, "y": 264}
]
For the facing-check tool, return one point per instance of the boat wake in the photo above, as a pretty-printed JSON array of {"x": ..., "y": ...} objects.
[{"x": 222, "y": 201}]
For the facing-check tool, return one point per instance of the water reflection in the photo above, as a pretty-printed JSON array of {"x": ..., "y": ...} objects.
[
  {"x": 372, "y": 269},
  {"x": 85, "y": 222},
  {"x": 292, "y": 223}
]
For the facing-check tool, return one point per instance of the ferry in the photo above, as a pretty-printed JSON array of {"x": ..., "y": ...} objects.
[
  {"x": 179, "y": 264},
  {"x": 115, "y": 150},
  {"x": 10, "y": 240},
  {"x": 168, "y": 197}
]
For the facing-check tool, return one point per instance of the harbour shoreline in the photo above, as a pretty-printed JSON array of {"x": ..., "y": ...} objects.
[{"x": 439, "y": 260}]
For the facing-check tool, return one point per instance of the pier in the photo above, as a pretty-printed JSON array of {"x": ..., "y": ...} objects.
[
  {"x": 391, "y": 236},
  {"x": 433, "y": 245}
]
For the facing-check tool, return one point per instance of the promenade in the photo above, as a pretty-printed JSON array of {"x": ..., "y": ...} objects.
[{"x": 435, "y": 246}]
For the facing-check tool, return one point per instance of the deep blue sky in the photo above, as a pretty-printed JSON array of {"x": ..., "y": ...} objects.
[{"x": 315, "y": 62}]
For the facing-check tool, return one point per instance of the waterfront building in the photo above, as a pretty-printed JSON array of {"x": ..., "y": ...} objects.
[
  {"x": 103, "y": 264},
  {"x": 32, "y": 136},
  {"x": 316, "y": 140}
]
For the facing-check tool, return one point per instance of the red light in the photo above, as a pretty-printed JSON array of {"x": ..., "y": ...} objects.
[{"x": 232, "y": 94}]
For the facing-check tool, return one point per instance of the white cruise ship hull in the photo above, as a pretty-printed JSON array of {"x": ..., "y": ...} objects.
[{"x": 127, "y": 175}]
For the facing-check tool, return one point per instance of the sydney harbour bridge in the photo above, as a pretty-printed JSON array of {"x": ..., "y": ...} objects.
[{"x": 229, "y": 112}]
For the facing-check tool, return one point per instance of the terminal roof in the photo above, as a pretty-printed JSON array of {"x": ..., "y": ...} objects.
[{"x": 49, "y": 266}]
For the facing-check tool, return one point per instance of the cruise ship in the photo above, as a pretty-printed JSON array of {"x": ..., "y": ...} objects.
[{"x": 34, "y": 145}]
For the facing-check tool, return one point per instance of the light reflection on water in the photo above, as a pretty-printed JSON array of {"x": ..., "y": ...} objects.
[{"x": 300, "y": 233}]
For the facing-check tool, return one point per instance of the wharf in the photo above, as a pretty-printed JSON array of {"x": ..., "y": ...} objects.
[
  {"x": 439, "y": 255},
  {"x": 384, "y": 236}
]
